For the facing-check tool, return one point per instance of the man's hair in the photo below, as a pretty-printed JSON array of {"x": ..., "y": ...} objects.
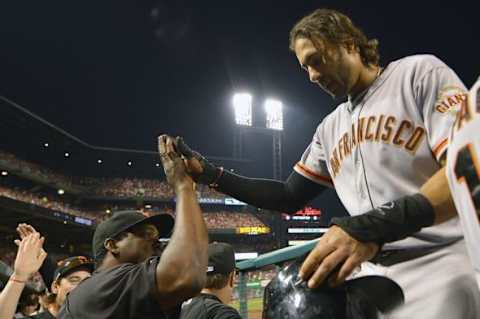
[
  {"x": 216, "y": 281},
  {"x": 338, "y": 29}
]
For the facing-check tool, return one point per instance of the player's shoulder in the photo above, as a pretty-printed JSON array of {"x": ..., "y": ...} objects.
[
  {"x": 419, "y": 63},
  {"x": 338, "y": 112}
]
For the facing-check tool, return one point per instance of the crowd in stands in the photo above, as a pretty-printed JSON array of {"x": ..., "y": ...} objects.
[
  {"x": 228, "y": 219},
  {"x": 96, "y": 186},
  {"x": 127, "y": 188},
  {"x": 214, "y": 220},
  {"x": 36, "y": 172},
  {"x": 43, "y": 201}
]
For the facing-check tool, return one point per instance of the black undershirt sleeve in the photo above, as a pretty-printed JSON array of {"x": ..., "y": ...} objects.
[
  {"x": 288, "y": 196},
  {"x": 391, "y": 221},
  {"x": 46, "y": 271}
]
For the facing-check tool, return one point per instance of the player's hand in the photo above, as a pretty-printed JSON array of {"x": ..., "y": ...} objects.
[
  {"x": 336, "y": 254},
  {"x": 30, "y": 256},
  {"x": 173, "y": 164},
  {"x": 201, "y": 170},
  {"x": 24, "y": 230}
]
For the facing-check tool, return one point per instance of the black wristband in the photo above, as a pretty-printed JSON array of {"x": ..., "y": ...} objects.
[{"x": 391, "y": 221}]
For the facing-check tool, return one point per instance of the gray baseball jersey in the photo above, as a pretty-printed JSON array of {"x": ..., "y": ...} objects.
[
  {"x": 463, "y": 171},
  {"x": 388, "y": 141}
]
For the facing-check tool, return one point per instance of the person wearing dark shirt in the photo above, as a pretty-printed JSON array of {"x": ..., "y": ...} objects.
[
  {"x": 212, "y": 303},
  {"x": 132, "y": 280}
]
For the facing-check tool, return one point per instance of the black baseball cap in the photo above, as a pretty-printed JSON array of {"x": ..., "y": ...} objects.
[
  {"x": 71, "y": 264},
  {"x": 122, "y": 221},
  {"x": 221, "y": 259}
]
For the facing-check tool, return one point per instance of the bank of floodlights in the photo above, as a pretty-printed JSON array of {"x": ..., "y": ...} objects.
[
  {"x": 242, "y": 103},
  {"x": 274, "y": 111}
]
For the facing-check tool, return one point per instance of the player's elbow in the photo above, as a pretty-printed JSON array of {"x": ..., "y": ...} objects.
[
  {"x": 176, "y": 287},
  {"x": 185, "y": 286}
]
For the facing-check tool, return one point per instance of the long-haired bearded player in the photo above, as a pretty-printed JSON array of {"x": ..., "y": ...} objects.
[{"x": 376, "y": 149}]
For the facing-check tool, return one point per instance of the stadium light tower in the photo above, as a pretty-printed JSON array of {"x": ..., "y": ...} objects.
[
  {"x": 242, "y": 103},
  {"x": 274, "y": 111},
  {"x": 274, "y": 122}
]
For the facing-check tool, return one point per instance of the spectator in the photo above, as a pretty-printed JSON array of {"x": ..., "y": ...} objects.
[
  {"x": 67, "y": 275},
  {"x": 30, "y": 257}
]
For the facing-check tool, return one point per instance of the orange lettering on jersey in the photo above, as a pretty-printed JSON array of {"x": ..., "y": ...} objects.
[
  {"x": 404, "y": 125},
  {"x": 442, "y": 108},
  {"x": 354, "y": 140},
  {"x": 368, "y": 134},
  {"x": 448, "y": 98},
  {"x": 360, "y": 130},
  {"x": 415, "y": 140},
  {"x": 379, "y": 127},
  {"x": 375, "y": 128},
  {"x": 389, "y": 122},
  {"x": 463, "y": 115},
  {"x": 340, "y": 149},
  {"x": 334, "y": 162},
  {"x": 451, "y": 101},
  {"x": 346, "y": 145}
]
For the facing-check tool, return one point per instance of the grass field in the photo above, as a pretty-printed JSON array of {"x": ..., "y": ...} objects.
[{"x": 254, "y": 305}]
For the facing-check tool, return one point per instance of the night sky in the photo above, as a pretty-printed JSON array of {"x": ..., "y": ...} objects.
[{"x": 118, "y": 73}]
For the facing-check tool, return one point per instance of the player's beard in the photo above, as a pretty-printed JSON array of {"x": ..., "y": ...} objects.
[{"x": 340, "y": 84}]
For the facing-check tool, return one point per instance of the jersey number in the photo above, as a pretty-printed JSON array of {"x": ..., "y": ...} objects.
[{"x": 467, "y": 169}]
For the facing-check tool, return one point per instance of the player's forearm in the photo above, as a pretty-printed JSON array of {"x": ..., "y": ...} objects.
[
  {"x": 288, "y": 196},
  {"x": 181, "y": 271},
  {"x": 392, "y": 221},
  {"x": 9, "y": 298},
  {"x": 437, "y": 191}
]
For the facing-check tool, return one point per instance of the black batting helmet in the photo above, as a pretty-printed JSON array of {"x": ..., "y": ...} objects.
[{"x": 288, "y": 297}]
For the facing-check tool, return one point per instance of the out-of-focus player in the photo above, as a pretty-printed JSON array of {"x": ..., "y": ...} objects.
[{"x": 463, "y": 171}]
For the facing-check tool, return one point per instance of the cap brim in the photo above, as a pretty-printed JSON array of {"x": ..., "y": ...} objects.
[
  {"x": 163, "y": 222},
  {"x": 90, "y": 266}
]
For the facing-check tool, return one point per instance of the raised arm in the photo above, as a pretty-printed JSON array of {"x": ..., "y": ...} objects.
[
  {"x": 48, "y": 266},
  {"x": 30, "y": 256},
  {"x": 181, "y": 272},
  {"x": 286, "y": 196}
]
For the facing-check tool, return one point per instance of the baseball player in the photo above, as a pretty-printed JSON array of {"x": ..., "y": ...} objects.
[
  {"x": 376, "y": 149},
  {"x": 463, "y": 172},
  {"x": 459, "y": 179},
  {"x": 134, "y": 278}
]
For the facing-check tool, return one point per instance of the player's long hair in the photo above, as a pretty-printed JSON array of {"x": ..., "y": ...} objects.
[{"x": 338, "y": 29}]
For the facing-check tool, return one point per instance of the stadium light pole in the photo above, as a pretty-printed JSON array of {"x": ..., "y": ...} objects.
[
  {"x": 242, "y": 103},
  {"x": 274, "y": 122}
]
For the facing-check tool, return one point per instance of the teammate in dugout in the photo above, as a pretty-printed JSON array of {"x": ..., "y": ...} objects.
[
  {"x": 134, "y": 278},
  {"x": 212, "y": 302},
  {"x": 378, "y": 147}
]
